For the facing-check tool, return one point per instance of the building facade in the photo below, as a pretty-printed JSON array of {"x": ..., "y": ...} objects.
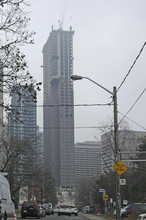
[
  {"x": 23, "y": 114},
  {"x": 40, "y": 149},
  {"x": 58, "y": 111},
  {"x": 23, "y": 129},
  {"x": 87, "y": 160},
  {"x": 128, "y": 142}
]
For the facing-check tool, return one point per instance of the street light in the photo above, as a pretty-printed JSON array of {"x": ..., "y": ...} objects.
[{"x": 114, "y": 95}]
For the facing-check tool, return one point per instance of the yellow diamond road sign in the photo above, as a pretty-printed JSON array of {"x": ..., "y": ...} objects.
[
  {"x": 120, "y": 167},
  {"x": 105, "y": 197}
]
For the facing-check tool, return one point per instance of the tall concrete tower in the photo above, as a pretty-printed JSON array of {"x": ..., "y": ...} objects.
[{"x": 58, "y": 110}]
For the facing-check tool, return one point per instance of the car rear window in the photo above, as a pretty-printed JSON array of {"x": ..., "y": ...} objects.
[
  {"x": 27, "y": 204},
  {"x": 64, "y": 206}
]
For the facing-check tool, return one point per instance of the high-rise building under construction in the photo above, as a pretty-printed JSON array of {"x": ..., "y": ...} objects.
[{"x": 58, "y": 111}]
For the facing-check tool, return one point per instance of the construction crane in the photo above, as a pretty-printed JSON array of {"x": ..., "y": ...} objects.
[{"x": 61, "y": 20}]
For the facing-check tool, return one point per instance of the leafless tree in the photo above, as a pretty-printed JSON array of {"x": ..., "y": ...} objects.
[
  {"x": 83, "y": 189},
  {"x": 13, "y": 35},
  {"x": 18, "y": 163}
]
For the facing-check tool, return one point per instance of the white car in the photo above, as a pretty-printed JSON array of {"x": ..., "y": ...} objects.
[
  {"x": 55, "y": 209},
  {"x": 74, "y": 210},
  {"x": 124, "y": 212},
  {"x": 7, "y": 210},
  {"x": 64, "y": 210},
  {"x": 141, "y": 216}
]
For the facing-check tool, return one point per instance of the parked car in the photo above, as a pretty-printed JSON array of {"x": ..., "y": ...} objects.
[
  {"x": 141, "y": 216},
  {"x": 47, "y": 209},
  {"x": 42, "y": 211},
  {"x": 51, "y": 208},
  {"x": 136, "y": 207},
  {"x": 86, "y": 209},
  {"x": 55, "y": 209},
  {"x": 7, "y": 209},
  {"x": 64, "y": 210},
  {"x": 74, "y": 210},
  {"x": 30, "y": 209},
  {"x": 123, "y": 214}
]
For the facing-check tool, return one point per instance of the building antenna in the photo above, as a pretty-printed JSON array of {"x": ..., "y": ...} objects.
[
  {"x": 70, "y": 20},
  {"x": 61, "y": 20}
]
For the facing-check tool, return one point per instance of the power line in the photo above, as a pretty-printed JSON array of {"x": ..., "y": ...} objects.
[
  {"x": 132, "y": 105},
  {"x": 131, "y": 66},
  {"x": 76, "y": 105},
  {"x": 66, "y": 105},
  {"x": 80, "y": 127},
  {"x": 133, "y": 121}
]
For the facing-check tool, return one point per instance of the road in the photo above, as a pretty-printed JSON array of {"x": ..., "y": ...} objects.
[{"x": 56, "y": 217}]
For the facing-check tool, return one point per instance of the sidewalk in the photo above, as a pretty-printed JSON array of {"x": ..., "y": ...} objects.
[{"x": 96, "y": 217}]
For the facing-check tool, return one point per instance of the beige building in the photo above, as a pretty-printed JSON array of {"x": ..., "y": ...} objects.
[
  {"x": 128, "y": 143},
  {"x": 87, "y": 159}
]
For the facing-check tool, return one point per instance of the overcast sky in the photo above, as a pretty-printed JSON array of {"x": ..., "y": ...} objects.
[{"x": 109, "y": 35}]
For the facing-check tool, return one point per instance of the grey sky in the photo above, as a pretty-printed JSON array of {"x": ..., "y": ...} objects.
[{"x": 108, "y": 36}]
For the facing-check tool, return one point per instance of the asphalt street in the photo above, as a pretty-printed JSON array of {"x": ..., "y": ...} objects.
[
  {"x": 62, "y": 217},
  {"x": 80, "y": 216}
]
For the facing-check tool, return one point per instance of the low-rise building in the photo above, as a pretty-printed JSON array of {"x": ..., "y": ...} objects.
[
  {"x": 128, "y": 142},
  {"x": 87, "y": 159}
]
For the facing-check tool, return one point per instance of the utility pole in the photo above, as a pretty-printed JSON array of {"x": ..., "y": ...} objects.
[
  {"x": 118, "y": 197},
  {"x": 114, "y": 94}
]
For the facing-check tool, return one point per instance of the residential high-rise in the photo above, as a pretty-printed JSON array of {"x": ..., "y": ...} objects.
[
  {"x": 58, "y": 113},
  {"x": 23, "y": 128},
  {"x": 87, "y": 160},
  {"x": 40, "y": 149},
  {"x": 23, "y": 114}
]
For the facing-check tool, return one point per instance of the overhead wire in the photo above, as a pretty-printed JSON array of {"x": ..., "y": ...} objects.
[
  {"x": 67, "y": 127},
  {"x": 89, "y": 105},
  {"x": 125, "y": 116},
  {"x": 66, "y": 105},
  {"x": 87, "y": 127},
  {"x": 132, "y": 106},
  {"x": 80, "y": 127},
  {"x": 131, "y": 67},
  {"x": 76, "y": 105},
  {"x": 133, "y": 121}
]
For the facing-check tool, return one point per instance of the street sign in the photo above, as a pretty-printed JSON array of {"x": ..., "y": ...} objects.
[
  {"x": 122, "y": 182},
  {"x": 105, "y": 197},
  {"x": 102, "y": 190},
  {"x": 120, "y": 167}
]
